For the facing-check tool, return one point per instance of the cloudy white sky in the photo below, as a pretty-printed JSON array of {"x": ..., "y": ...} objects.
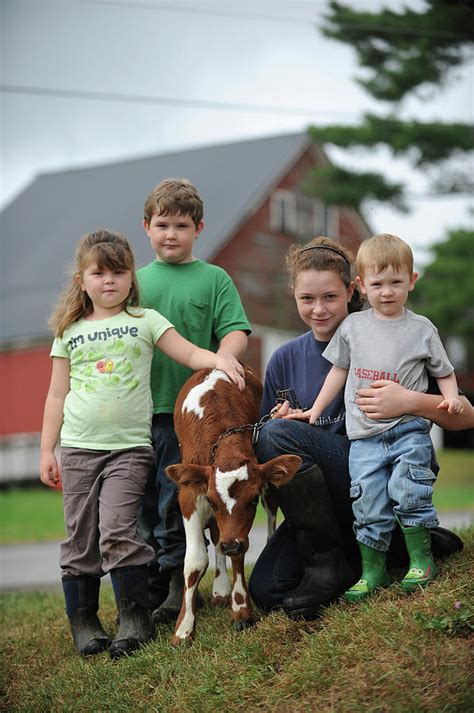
[{"x": 92, "y": 81}]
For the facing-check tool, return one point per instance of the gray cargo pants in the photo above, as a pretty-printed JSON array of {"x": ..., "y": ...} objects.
[{"x": 102, "y": 493}]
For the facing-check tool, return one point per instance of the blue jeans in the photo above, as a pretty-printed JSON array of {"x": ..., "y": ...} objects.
[
  {"x": 160, "y": 519},
  {"x": 279, "y": 569},
  {"x": 391, "y": 475}
]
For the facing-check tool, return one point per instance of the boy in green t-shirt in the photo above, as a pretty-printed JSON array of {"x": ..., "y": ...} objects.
[{"x": 202, "y": 302}]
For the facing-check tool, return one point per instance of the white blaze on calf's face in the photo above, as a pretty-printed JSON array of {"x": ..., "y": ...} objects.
[
  {"x": 192, "y": 400},
  {"x": 224, "y": 482}
]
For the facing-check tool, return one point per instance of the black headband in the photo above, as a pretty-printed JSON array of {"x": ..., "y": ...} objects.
[{"x": 327, "y": 247}]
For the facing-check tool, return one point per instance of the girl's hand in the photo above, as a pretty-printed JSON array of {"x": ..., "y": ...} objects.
[
  {"x": 232, "y": 367},
  {"x": 50, "y": 474},
  {"x": 451, "y": 406},
  {"x": 383, "y": 399}
]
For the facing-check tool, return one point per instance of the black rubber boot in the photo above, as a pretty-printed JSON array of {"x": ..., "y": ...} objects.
[
  {"x": 308, "y": 510},
  {"x": 170, "y": 608},
  {"x": 158, "y": 585},
  {"x": 131, "y": 594},
  {"x": 82, "y": 603}
]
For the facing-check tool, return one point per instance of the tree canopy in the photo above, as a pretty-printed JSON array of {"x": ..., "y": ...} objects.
[
  {"x": 445, "y": 294},
  {"x": 404, "y": 53}
]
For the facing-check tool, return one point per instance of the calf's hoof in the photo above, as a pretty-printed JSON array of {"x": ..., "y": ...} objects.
[
  {"x": 177, "y": 642},
  {"x": 243, "y": 624},
  {"x": 218, "y": 600}
]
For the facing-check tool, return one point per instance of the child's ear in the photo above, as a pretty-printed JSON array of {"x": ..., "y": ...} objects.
[
  {"x": 78, "y": 279},
  {"x": 199, "y": 228},
  {"x": 146, "y": 225},
  {"x": 360, "y": 285},
  {"x": 414, "y": 278}
]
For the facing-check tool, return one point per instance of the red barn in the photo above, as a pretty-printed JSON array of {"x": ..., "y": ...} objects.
[{"x": 254, "y": 208}]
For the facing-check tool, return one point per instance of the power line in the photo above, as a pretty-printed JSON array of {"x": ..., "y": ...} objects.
[
  {"x": 144, "y": 99},
  {"x": 413, "y": 30},
  {"x": 368, "y": 27}
]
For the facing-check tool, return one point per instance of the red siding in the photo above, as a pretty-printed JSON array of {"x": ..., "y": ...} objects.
[
  {"x": 255, "y": 256},
  {"x": 25, "y": 376}
]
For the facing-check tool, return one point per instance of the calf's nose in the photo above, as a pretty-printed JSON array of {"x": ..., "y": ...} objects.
[{"x": 234, "y": 547}]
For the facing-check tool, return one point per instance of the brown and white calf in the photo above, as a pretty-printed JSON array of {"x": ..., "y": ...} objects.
[{"x": 219, "y": 482}]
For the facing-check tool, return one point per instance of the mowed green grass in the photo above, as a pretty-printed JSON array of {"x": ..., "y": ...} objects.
[
  {"x": 35, "y": 514},
  {"x": 394, "y": 652}
]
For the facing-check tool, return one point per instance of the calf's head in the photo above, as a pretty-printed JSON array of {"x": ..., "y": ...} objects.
[{"x": 232, "y": 488}]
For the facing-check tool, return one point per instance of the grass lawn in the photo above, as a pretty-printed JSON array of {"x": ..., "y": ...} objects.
[
  {"x": 35, "y": 514},
  {"x": 392, "y": 653}
]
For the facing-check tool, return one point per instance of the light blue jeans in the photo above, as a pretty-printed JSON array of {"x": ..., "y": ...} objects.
[{"x": 391, "y": 476}]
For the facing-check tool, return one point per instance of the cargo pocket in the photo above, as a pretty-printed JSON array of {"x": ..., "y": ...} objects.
[
  {"x": 420, "y": 483},
  {"x": 357, "y": 504}
]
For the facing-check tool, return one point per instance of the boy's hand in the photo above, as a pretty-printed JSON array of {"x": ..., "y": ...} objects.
[
  {"x": 451, "y": 406},
  {"x": 50, "y": 474},
  {"x": 298, "y": 415},
  {"x": 232, "y": 367}
]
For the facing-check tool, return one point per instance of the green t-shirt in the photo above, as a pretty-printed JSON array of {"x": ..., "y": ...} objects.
[
  {"x": 109, "y": 406},
  {"x": 203, "y": 304}
]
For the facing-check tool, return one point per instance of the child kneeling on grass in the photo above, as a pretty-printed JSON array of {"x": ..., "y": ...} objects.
[
  {"x": 389, "y": 459},
  {"x": 99, "y": 404}
]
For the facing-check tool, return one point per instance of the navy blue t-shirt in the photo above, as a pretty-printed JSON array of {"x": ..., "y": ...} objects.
[{"x": 299, "y": 365}]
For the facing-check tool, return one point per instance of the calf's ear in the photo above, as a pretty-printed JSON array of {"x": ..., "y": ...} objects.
[
  {"x": 280, "y": 470},
  {"x": 189, "y": 474}
]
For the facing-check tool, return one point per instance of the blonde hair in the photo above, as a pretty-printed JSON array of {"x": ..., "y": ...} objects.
[
  {"x": 172, "y": 196},
  {"x": 382, "y": 251},
  {"x": 324, "y": 255},
  {"x": 107, "y": 249}
]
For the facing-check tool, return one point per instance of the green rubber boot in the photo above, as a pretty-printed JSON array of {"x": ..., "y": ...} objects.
[
  {"x": 422, "y": 567},
  {"x": 374, "y": 574}
]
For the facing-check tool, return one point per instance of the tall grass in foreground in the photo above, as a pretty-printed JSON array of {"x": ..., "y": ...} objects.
[{"x": 396, "y": 652}]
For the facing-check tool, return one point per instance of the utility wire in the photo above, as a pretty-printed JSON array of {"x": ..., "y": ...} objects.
[
  {"x": 192, "y": 103},
  {"x": 368, "y": 27},
  {"x": 144, "y": 99},
  {"x": 292, "y": 19}
]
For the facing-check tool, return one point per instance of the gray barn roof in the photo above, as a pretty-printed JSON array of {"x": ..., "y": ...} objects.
[{"x": 39, "y": 230}]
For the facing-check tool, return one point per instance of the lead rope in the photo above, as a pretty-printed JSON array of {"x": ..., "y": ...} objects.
[{"x": 254, "y": 427}]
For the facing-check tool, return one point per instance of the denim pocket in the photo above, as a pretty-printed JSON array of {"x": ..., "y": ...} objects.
[
  {"x": 423, "y": 425},
  {"x": 355, "y": 491},
  {"x": 420, "y": 483}
]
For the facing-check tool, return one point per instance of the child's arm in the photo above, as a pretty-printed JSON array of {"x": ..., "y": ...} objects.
[
  {"x": 449, "y": 389},
  {"x": 52, "y": 421},
  {"x": 387, "y": 399},
  {"x": 178, "y": 348},
  {"x": 234, "y": 343},
  {"x": 333, "y": 384}
]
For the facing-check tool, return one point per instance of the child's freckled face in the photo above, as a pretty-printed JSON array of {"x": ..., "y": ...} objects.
[{"x": 172, "y": 237}]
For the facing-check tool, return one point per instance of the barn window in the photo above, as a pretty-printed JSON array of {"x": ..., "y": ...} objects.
[{"x": 301, "y": 215}]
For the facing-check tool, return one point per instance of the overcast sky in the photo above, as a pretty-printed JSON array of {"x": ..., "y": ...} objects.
[{"x": 92, "y": 81}]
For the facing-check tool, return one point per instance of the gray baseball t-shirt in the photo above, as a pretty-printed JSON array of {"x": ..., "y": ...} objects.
[{"x": 404, "y": 350}]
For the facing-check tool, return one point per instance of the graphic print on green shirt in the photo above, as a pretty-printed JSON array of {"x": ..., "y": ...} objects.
[{"x": 109, "y": 405}]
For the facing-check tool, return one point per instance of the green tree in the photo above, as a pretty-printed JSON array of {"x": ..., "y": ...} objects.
[
  {"x": 404, "y": 53},
  {"x": 445, "y": 294}
]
